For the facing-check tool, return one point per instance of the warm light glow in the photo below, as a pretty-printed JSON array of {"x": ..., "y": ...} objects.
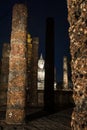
[{"x": 29, "y": 39}]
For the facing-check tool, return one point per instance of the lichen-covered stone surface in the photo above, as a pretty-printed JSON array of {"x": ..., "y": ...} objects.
[
  {"x": 77, "y": 17},
  {"x": 4, "y": 77},
  {"x": 15, "y": 113}
]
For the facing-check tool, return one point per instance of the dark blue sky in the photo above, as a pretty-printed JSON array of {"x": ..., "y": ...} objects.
[{"x": 38, "y": 11}]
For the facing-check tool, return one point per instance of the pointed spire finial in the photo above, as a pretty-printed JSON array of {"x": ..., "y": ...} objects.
[{"x": 41, "y": 56}]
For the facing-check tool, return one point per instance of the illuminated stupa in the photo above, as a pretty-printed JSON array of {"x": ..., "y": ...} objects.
[{"x": 41, "y": 73}]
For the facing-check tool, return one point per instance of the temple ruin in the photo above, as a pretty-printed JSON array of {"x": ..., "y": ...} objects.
[
  {"x": 15, "y": 112},
  {"x": 18, "y": 82}
]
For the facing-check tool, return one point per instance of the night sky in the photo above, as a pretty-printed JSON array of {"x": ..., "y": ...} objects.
[{"x": 38, "y": 11}]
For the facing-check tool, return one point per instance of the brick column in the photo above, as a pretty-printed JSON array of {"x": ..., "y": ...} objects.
[
  {"x": 65, "y": 73},
  {"x": 77, "y": 16},
  {"x": 29, "y": 68},
  {"x": 34, "y": 96},
  {"x": 15, "y": 113},
  {"x": 4, "y": 78}
]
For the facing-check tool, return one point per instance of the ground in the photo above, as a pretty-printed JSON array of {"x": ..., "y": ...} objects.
[{"x": 40, "y": 120}]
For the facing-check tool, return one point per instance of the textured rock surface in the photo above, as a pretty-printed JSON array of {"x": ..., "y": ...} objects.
[
  {"x": 77, "y": 16},
  {"x": 17, "y": 67},
  {"x": 4, "y": 77}
]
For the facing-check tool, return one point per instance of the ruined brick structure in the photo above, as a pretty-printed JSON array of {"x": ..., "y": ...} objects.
[
  {"x": 4, "y": 78},
  {"x": 29, "y": 68},
  {"x": 15, "y": 113},
  {"x": 77, "y": 17},
  {"x": 33, "y": 90},
  {"x": 65, "y": 73}
]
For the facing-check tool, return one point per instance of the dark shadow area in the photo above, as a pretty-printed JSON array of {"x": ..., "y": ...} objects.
[
  {"x": 37, "y": 113},
  {"x": 2, "y": 114},
  {"x": 49, "y": 66},
  {"x": 39, "y": 120}
]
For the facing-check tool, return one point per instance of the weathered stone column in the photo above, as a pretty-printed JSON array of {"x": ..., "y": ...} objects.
[
  {"x": 17, "y": 67},
  {"x": 34, "y": 96},
  {"x": 65, "y": 73},
  {"x": 77, "y": 16},
  {"x": 4, "y": 78},
  {"x": 29, "y": 68}
]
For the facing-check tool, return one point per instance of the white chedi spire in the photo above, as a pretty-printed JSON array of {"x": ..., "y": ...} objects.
[
  {"x": 41, "y": 62},
  {"x": 41, "y": 57},
  {"x": 41, "y": 73}
]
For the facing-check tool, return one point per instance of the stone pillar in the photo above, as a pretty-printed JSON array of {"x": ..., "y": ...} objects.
[
  {"x": 29, "y": 68},
  {"x": 77, "y": 17},
  {"x": 49, "y": 66},
  {"x": 4, "y": 78},
  {"x": 34, "y": 96},
  {"x": 65, "y": 73},
  {"x": 15, "y": 113}
]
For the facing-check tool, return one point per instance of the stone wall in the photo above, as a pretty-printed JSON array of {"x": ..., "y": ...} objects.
[
  {"x": 15, "y": 113},
  {"x": 77, "y": 17}
]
